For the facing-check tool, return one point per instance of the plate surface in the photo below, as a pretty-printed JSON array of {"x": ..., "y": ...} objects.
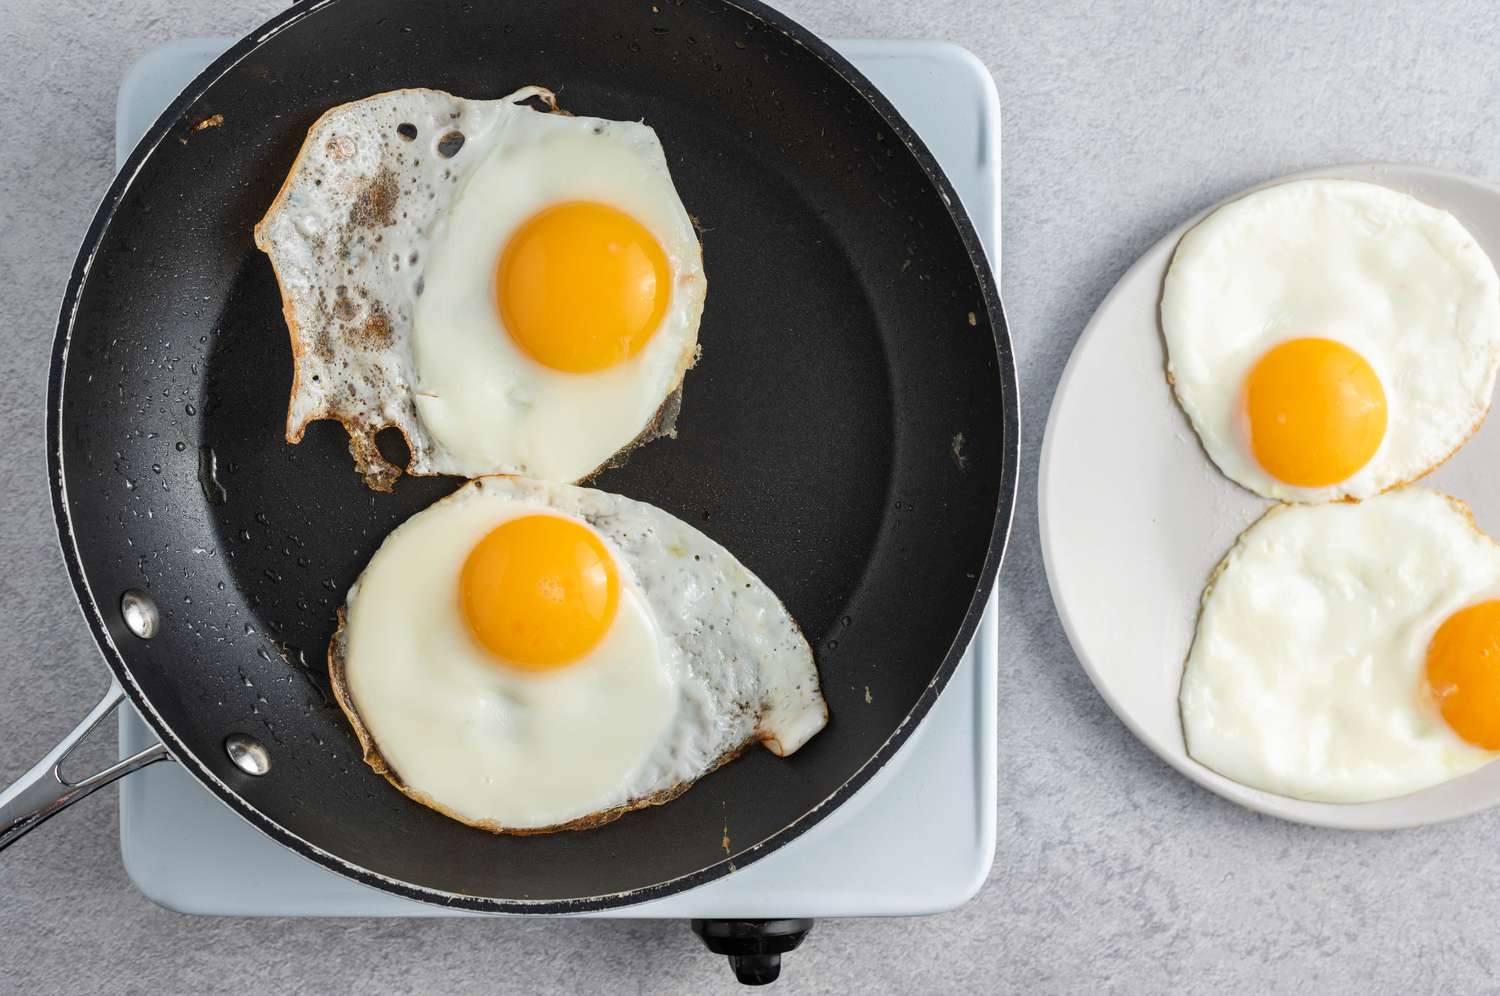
[{"x": 1134, "y": 516}]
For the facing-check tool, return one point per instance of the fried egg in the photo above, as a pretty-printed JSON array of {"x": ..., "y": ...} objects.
[
  {"x": 516, "y": 290},
  {"x": 1349, "y": 652},
  {"x": 1331, "y": 339},
  {"x": 527, "y": 656}
]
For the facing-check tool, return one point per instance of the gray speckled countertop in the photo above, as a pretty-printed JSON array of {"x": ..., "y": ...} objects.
[{"x": 1112, "y": 873}]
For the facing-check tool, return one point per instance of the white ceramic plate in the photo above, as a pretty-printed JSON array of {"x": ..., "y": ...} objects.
[{"x": 1134, "y": 516}]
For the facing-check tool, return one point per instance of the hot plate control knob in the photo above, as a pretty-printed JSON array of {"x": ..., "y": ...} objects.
[{"x": 754, "y": 947}]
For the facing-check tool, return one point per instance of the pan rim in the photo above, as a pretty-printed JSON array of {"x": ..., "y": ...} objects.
[{"x": 116, "y": 660}]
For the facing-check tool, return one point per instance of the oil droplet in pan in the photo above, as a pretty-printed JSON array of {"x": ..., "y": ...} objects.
[{"x": 208, "y": 477}]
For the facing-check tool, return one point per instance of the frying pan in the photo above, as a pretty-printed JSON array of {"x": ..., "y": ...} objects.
[{"x": 850, "y": 433}]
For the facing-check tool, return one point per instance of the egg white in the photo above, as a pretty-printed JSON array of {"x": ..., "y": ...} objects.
[
  {"x": 1306, "y": 673},
  {"x": 1403, "y": 284},
  {"x": 384, "y": 240},
  {"x": 490, "y": 405},
  {"x": 702, "y": 659}
]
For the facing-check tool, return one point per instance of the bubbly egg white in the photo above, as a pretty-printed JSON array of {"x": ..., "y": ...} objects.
[
  {"x": 701, "y": 659},
  {"x": 1306, "y": 674},
  {"x": 1403, "y": 284}
]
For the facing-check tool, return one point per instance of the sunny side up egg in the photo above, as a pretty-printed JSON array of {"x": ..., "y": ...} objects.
[
  {"x": 1331, "y": 339},
  {"x": 517, "y": 291},
  {"x": 1349, "y": 652},
  {"x": 526, "y": 657}
]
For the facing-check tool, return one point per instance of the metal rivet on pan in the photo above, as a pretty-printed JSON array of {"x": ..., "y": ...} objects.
[
  {"x": 139, "y": 611},
  {"x": 247, "y": 753}
]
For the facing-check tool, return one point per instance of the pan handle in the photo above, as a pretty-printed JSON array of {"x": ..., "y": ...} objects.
[{"x": 42, "y": 791}]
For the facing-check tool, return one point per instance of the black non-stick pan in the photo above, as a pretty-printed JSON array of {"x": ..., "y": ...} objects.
[{"x": 850, "y": 432}]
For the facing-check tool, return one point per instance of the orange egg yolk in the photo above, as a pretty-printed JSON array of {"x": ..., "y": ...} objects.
[
  {"x": 1463, "y": 673},
  {"x": 582, "y": 286},
  {"x": 539, "y": 591},
  {"x": 1316, "y": 412}
]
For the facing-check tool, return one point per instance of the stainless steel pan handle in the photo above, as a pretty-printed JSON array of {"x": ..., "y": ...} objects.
[{"x": 42, "y": 791}]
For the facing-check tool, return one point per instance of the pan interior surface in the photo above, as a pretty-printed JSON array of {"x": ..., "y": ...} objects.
[{"x": 842, "y": 434}]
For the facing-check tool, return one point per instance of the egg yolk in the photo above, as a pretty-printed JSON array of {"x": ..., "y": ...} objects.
[
  {"x": 1463, "y": 673},
  {"x": 539, "y": 591},
  {"x": 582, "y": 286},
  {"x": 1316, "y": 411}
]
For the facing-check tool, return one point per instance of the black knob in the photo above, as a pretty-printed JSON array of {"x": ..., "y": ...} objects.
[{"x": 754, "y": 947}]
